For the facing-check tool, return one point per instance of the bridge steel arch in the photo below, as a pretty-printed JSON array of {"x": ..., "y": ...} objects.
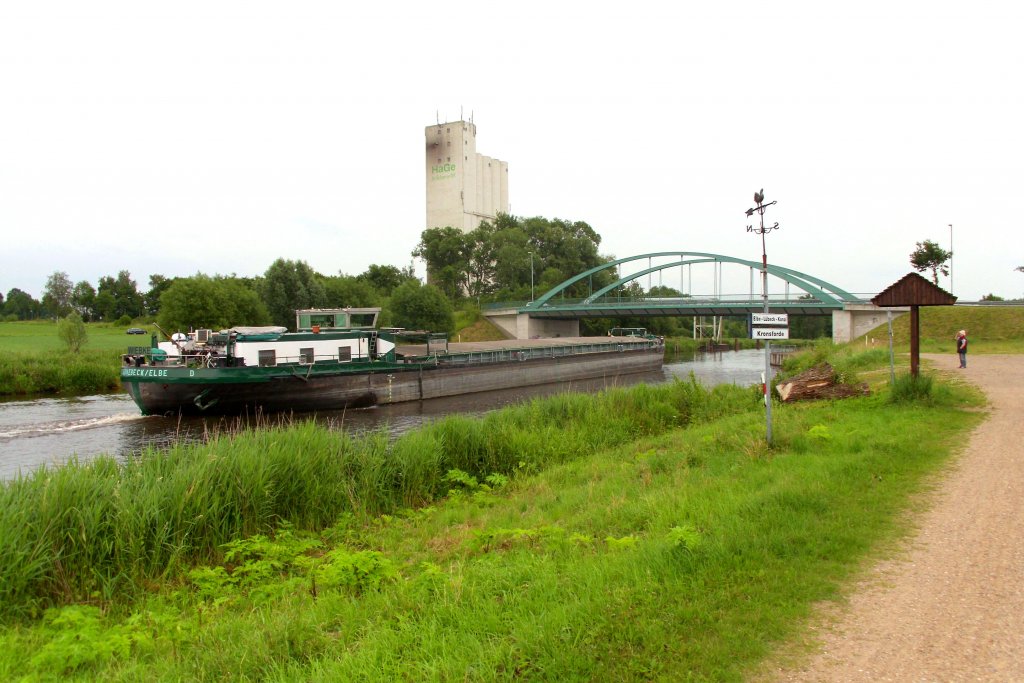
[{"x": 826, "y": 292}]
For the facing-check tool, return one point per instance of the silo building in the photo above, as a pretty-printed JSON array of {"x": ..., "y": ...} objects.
[{"x": 464, "y": 188}]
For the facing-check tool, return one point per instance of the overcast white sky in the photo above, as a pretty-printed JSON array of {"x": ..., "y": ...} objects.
[{"x": 217, "y": 136}]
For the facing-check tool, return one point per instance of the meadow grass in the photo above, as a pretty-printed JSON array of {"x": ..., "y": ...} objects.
[
  {"x": 33, "y": 359},
  {"x": 41, "y": 335},
  {"x": 646, "y": 533}
]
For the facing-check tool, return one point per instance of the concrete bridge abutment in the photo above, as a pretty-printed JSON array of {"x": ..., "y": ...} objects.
[
  {"x": 516, "y": 325},
  {"x": 859, "y": 319}
]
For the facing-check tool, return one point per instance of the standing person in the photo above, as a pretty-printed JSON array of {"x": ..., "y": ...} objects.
[{"x": 961, "y": 347}]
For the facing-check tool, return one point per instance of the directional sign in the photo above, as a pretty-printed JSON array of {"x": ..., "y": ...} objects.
[
  {"x": 769, "y": 333},
  {"x": 769, "y": 318}
]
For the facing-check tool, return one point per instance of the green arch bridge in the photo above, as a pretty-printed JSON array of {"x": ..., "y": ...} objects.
[{"x": 552, "y": 314}]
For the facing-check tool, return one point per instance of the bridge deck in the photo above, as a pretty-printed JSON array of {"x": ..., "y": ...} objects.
[{"x": 601, "y": 309}]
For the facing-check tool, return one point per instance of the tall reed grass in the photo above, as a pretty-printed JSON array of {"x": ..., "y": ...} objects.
[
  {"x": 59, "y": 372},
  {"x": 102, "y": 530},
  {"x": 912, "y": 389}
]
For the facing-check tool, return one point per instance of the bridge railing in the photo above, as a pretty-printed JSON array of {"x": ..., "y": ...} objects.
[
  {"x": 696, "y": 299},
  {"x": 498, "y": 305}
]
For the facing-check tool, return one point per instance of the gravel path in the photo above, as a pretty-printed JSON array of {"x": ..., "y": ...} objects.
[{"x": 951, "y": 606}]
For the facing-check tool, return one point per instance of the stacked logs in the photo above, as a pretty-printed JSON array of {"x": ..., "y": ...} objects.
[{"x": 817, "y": 383}]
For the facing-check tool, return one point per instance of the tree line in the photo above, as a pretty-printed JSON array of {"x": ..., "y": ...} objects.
[
  {"x": 219, "y": 301},
  {"x": 507, "y": 259}
]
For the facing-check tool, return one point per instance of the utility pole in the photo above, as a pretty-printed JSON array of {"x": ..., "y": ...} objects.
[
  {"x": 950, "y": 258},
  {"x": 759, "y": 209}
]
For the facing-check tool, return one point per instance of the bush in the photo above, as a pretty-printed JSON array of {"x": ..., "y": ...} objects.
[
  {"x": 71, "y": 331},
  {"x": 124, "y": 321}
]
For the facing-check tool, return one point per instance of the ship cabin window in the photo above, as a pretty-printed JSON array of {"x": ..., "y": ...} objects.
[
  {"x": 322, "y": 320},
  {"x": 344, "y": 354},
  {"x": 268, "y": 358},
  {"x": 363, "y": 320},
  {"x": 306, "y": 356}
]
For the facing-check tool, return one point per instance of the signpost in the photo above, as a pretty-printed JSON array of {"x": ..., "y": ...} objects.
[
  {"x": 762, "y": 230},
  {"x": 770, "y": 333},
  {"x": 769, "y": 319},
  {"x": 769, "y": 326}
]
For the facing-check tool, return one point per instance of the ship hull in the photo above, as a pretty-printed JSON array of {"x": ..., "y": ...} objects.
[{"x": 234, "y": 391}]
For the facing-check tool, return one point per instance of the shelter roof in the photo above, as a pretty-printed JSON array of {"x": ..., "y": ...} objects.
[{"x": 913, "y": 290}]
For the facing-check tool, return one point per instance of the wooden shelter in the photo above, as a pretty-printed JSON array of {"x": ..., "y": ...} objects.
[{"x": 914, "y": 291}]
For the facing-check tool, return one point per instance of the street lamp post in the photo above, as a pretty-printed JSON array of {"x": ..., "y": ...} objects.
[
  {"x": 762, "y": 230},
  {"x": 531, "y": 277},
  {"x": 950, "y": 258}
]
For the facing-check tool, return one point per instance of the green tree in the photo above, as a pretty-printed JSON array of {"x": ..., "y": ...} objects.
[
  {"x": 421, "y": 307},
  {"x": 71, "y": 330},
  {"x": 105, "y": 304},
  {"x": 385, "y": 278},
  {"x": 57, "y": 294},
  {"x": 288, "y": 286},
  {"x": 83, "y": 298},
  {"x": 482, "y": 259},
  {"x": 512, "y": 261},
  {"x": 567, "y": 248},
  {"x": 158, "y": 284},
  {"x": 446, "y": 253},
  {"x": 21, "y": 305},
  {"x": 495, "y": 259},
  {"x": 216, "y": 303},
  {"x": 116, "y": 297},
  {"x": 246, "y": 305},
  {"x": 930, "y": 256},
  {"x": 992, "y": 297},
  {"x": 343, "y": 291},
  {"x": 810, "y": 326}
]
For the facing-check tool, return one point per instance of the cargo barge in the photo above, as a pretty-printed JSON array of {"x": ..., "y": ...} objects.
[{"x": 338, "y": 359}]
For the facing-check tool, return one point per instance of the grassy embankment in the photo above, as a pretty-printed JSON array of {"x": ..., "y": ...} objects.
[
  {"x": 33, "y": 359},
  {"x": 641, "y": 533},
  {"x": 990, "y": 329},
  {"x": 471, "y": 326}
]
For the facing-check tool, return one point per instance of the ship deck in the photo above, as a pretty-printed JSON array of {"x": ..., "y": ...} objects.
[{"x": 414, "y": 350}]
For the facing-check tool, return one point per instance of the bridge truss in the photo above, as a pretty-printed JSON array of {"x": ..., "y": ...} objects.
[{"x": 817, "y": 297}]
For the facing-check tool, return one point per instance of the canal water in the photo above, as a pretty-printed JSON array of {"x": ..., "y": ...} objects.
[{"x": 49, "y": 431}]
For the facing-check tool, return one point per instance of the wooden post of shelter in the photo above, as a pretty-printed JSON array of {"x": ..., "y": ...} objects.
[{"x": 914, "y": 291}]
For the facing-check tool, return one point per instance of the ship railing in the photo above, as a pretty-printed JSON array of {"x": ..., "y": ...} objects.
[
  {"x": 210, "y": 360},
  {"x": 188, "y": 360},
  {"x": 529, "y": 353}
]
